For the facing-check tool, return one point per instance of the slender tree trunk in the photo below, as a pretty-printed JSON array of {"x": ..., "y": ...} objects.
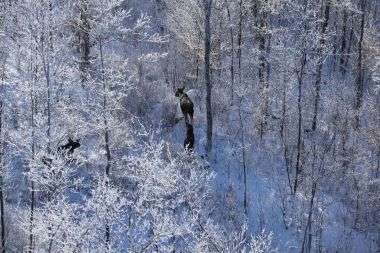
[
  {"x": 266, "y": 102},
  {"x": 335, "y": 41},
  {"x": 284, "y": 111},
  {"x": 232, "y": 51},
  {"x": 299, "y": 109},
  {"x": 263, "y": 74},
  {"x": 84, "y": 44},
  {"x": 359, "y": 68},
  {"x": 2, "y": 96},
  {"x": 300, "y": 76},
  {"x": 349, "y": 48},
  {"x": 32, "y": 190},
  {"x": 242, "y": 140},
  {"x": 207, "y": 9},
  {"x": 283, "y": 138},
  {"x": 309, "y": 222},
  {"x": 320, "y": 55},
  {"x": 196, "y": 69},
  {"x": 343, "y": 41},
  {"x": 2, "y": 213},
  {"x": 49, "y": 51},
  {"x": 106, "y": 136},
  {"x": 47, "y": 59},
  {"x": 377, "y": 172},
  {"x": 240, "y": 38},
  {"x": 31, "y": 217},
  {"x": 48, "y": 108}
]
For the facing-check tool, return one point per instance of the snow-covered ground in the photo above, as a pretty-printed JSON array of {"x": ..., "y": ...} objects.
[{"x": 266, "y": 177}]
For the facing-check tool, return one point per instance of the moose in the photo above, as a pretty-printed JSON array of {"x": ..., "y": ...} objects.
[
  {"x": 66, "y": 149},
  {"x": 69, "y": 147},
  {"x": 187, "y": 106}
]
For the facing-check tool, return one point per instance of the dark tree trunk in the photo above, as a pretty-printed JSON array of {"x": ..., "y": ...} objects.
[
  {"x": 359, "y": 68},
  {"x": 264, "y": 41},
  {"x": 240, "y": 37},
  {"x": 207, "y": 9},
  {"x": 283, "y": 127},
  {"x": 84, "y": 43},
  {"x": 309, "y": 222},
  {"x": 343, "y": 41},
  {"x": 349, "y": 49},
  {"x": 242, "y": 140},
  {"x": 2, "y": 213},
  {"x": 300, "y": 76},
  {"x": 232, "y": 52},
  {"x": 32, "y": 188},
  {"x": 320, "y": 55},
  {"x": 299, "y": 108},
  {"x": 106, "y": 137}
]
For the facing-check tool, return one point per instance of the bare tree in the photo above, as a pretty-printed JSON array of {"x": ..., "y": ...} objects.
[
  {"x": 207, "y": 9},
  {"x": 320, "y": 60},
  {"x": 300, "y": 80},
  {"x": 2, "y": 212},
  {"x": 359, "y": 81}
]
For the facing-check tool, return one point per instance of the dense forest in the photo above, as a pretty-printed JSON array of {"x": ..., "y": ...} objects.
[{"x": 190, "y": 126}]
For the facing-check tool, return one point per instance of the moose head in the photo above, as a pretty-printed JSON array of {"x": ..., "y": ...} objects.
[{"x": 180, "y": 92}]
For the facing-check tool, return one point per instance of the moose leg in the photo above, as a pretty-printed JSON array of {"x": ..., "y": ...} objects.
[
  {"x": 191, "y": 114},
  {"x": 186, "y": 117}
]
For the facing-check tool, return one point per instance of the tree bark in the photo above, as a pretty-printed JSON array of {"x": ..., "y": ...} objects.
[
  {"x": 299, "y": 109},
  {"x": 359, "y": 89},
  {"x": 242, "y": 140},
  {"x": 2, "y": 213},
  {"x": 106, "y": 135},
  {"x": 232, "y": 52},
  {"x": 84, "y": 43},
  {"x": 320, "y": 55},
  {"x": 32, "y": 188},
  {"x": 309, "y": 222},
  {"x": 264, "y": 70},
  {"x": 207, "y": 9},
  {"x": 343, "y": 41},
  {"x": 347, "y": 56},
  {"x": 283, "y": 127},
  {"x": 300, "y": 76},
  {"x": 240, "y": 38}
]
